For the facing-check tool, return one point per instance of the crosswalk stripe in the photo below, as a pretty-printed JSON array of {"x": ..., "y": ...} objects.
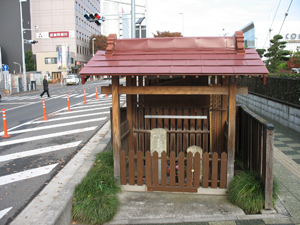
[
  {"x": 78, "y": 96},
  {"x": 54, "y": 126},
  {"x": 7, "y": 179},
  {"x": 40, "y": 137},
  {"x": 90, "y": 105},
  {"x": 4, "y": 211},
  {"x": 85, "y": 110},
  {"x": 38, "y": 151},
  {"x": 69, "y": 117},
  {"x": 91, "y": 95}
]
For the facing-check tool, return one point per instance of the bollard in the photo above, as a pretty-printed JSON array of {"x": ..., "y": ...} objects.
[
  {"x": 105, "y": 95},
  {"x": 69, "y": 109},
  {"x": 4, "y": 124},
  {"x": 44, "y": 109},
  {"x": 96, "y": 94},
  {"x": 84, "y": 98}
]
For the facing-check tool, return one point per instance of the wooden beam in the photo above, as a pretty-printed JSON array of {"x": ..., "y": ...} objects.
[
  {"x": 129, "y": 112},
  {"x": 116, "y": 123},
  {"x": 175, "y": 90},
  {"x": 231, "y": 128}
]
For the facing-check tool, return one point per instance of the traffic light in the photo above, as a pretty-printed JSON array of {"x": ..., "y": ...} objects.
[{"x": 95, "y": 18}]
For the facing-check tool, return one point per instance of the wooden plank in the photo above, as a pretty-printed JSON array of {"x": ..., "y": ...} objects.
[
  {"x": 175, "y": 90},
  {"x": 123, "y": 167},
  {"x": 205, "y": 170},
  {"x": 155, "y": 168},
  {"x": 141, "y": 126},
  {"x": 163, "y": 169},
  {"x": 223, "y": 170},
  {"x": 269, "y": 169},
  {"x": 147, "y": 135},
  {"x": 131, "y": 168},
  {"x": 134, "y": 116},
  {"x": 148, "y": 169},
  {"x": 179, "y": 136},
  {"x": 153, "y": 121},
  {"x": 192, "y": 127},
  {"x": 129, "y": 113},
  {"x": 172, "y": 189},
  {"x": 224, "y": 113},
  {"x": 116, "y": 123},
  {"x": 205, "y": 136},
  {"x": 181, "y": 170},
  {"x": 167, "y": 127},
  {"x": 185, "y": 127},
  {"x": 214, "y": 175},
  {"x": 231, "y": 129},
  {"x": 159, "y": 120},
  {"x": 197, "y": 164},
  {"x": 199, "y": 127},
  {"x": 172, "y": 169},
  {"x": 140, "y": 167},
  {"x": 189, "y": 170},
  {"x": 172, "y": 135}
]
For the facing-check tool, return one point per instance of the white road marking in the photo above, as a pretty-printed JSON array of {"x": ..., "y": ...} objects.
[
  {"x": 26, "y": 174},
  {"x": 90, "y": 105},
  {"x": 40, "y": 137},
  {"x": 69, "y": 117},
  {"x": 53, "y": 126},
  {"x": 78, "y": 96},
  {"x": 4, "y": 211},
  {"x": 85, "y": 110},
  {"x": 38, "y": 151}
]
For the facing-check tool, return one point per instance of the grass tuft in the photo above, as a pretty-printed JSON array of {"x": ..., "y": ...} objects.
[
  {"x": 246, "y": 191},
  {"x": 95, "y": 199}
]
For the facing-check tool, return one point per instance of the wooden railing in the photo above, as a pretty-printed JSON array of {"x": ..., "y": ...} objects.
[
  {"x": 255, "y": 138},
  {"x": 181, "y": 173}
]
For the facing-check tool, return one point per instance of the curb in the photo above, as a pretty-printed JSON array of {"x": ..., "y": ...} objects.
[{"x": 47, "y": 209}]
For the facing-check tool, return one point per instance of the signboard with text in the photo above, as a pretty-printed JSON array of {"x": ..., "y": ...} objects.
[{"x": 56, "y": 34}]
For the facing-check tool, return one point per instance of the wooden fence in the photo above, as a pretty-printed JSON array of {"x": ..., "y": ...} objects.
[
  {"x": 255, "y": 139},
  {"x": 181, "y": 174}
]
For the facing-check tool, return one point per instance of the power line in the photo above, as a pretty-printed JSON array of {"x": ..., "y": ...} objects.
[
  {"x": 270, "y": 29},
  {"x": 285, "y": 15}
]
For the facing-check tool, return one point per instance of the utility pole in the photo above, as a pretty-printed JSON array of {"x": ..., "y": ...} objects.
[{"x": 132, "y": 18}]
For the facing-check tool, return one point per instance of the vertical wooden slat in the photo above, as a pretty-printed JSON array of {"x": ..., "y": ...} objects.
[
  {"x": 189, "y": 167},
  {"x": 155, "y": 168},
  {"x": 123, "y": 167},
  {"x": 214, "y": 176},
  {"x": 153, "y": 120},
  {"x": 129, "y": 113},
  {"x": 140, "y": 167},
  {"x": 164, "y": 169},
  {"x": 205, "y": 170},
  {"x": 179, "y": 136},
  {"x": 134, "y": 117},
  {"x": 131, "y": 168},
  {"x": 141, "y": 127},
  {"x": 181, "y": 170},
  {"x": 269, "y": 167},
  {"x": 192, "y": 127},
  {"x": 199, "y": 127},
  {"x": 205, "y": 127},
  {"x": 167, "y": 127},
  {"x": 159, "y": 120},
  {"x": 172, "y": 169},
  {"x": 116, "y": 123},
  {"x": 185, "y": 127},
  {"x": 148, "y": 169},
  {"x": 223, "y": 174},
  {"x": 197, "y": 169},
  {"x": 259, "y": 147},
  {"x": 224, "y": 113},
  {"x": 172, "y": 135},
  {"x": 147, "y": 127},
  {"x": 231, "y": 128}
]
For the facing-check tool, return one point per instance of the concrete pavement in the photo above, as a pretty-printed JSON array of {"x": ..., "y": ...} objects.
[{"x": 169, "y": 208}]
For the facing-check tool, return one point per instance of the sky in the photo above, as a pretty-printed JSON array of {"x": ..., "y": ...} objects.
[{"x": 213, "y": 17}]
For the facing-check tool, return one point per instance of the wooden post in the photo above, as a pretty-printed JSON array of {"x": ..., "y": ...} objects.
[
  {"x": 231, "y": 128},
  {"x": 129, "y": 112},
  {"x": 269, "y": 167},
  {"x": 116, "y": 123}
]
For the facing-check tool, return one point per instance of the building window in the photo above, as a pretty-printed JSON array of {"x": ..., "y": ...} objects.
[
  {"x": 76, "y": 20},
  {"x": 53, "y": 60},
  {"x": 80, "y": 49},
  {"x": 76, "y": 5},
  {"x": 47, "y": 60},
  {"x": 77, "y": 34},
  {"x": 72, "y": 60},
  {"x": 77, "y": 49}
]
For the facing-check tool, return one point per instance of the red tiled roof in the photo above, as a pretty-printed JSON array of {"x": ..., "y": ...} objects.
[{"x": 176, "y": 56}]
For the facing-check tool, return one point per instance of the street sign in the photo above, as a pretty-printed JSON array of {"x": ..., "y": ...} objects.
[{"x": 5, "y": 67}]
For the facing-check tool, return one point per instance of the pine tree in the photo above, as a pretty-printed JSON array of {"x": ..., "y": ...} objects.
[{"x": 29, "y": 61}]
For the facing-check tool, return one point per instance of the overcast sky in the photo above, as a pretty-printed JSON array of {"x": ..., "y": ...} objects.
[{"x": 210, "y": 17}]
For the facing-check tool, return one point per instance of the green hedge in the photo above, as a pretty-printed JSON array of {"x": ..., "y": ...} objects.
[{"x": 280, "y": 88}]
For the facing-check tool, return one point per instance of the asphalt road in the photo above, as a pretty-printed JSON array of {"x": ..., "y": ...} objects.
[{"x": 38, "y": 149}]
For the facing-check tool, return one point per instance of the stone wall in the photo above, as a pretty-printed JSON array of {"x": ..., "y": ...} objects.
[{"x": 286, "y": 115}]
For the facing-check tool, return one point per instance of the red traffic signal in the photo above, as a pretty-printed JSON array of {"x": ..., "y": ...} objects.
[{"x": 97, "y": 16}]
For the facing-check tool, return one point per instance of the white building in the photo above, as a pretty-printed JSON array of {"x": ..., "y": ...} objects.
[
  {"x": 63, "y": 34},
  {"x": 258, "y": 34}
]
